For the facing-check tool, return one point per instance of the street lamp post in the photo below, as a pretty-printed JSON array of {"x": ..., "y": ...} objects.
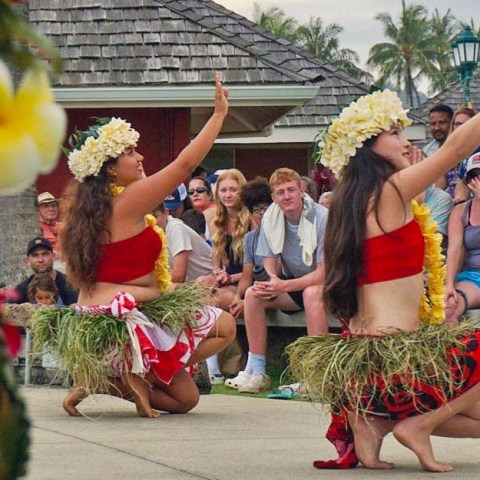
[{"x": 465, "y": 47}]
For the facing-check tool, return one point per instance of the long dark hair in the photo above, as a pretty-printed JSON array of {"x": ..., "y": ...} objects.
[
  {"x": 362, "y": 180},
  {"x": 85, "y": 213}
]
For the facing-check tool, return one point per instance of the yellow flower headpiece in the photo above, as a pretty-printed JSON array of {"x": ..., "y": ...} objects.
[
  {"x": 367, "y": 116},
  {"x": 95, "y": 146}
]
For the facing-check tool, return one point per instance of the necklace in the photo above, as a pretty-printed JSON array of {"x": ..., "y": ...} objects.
[{"x": 432, "y": 307}]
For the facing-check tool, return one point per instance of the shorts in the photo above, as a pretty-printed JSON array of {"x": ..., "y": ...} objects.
[{"x": 470, "y": 276}]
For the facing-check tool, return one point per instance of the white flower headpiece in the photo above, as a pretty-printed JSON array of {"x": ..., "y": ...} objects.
[
  {"x": 96, "y": 145},
  {"x": 367, "y": 116}
]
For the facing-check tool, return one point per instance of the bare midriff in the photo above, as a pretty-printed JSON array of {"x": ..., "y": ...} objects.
[{"x": 388, "y": 307}]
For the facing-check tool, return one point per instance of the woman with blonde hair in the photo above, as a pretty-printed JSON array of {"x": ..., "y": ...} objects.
[
  {"x": 227, "y": 231},
  {"x": 129, "y": 335}
]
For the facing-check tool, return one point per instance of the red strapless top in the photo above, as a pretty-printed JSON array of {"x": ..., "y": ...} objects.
[
  {"x": 396, "y": 254},
  {"x": 129, "y": 259}
]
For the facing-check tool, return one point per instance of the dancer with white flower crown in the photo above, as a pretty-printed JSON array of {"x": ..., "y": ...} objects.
[
  {"x": 397, "y": 367},
  {"x": 130, "y": 335}
]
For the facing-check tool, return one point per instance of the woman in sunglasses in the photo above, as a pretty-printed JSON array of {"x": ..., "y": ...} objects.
[
  {"x": 201, "y": 195},
  {"x": 463, "y": 281}
]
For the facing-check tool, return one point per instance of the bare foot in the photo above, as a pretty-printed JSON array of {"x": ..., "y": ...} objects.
[
  {"x": 369, "y": 434},
  {"x": 144, "y": 409},
  {"x": 73, "y": 398},
  {"x": 409, "y": 433}
]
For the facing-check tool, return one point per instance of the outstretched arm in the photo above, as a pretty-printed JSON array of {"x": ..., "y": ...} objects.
[{"x": 144, "y": 195}]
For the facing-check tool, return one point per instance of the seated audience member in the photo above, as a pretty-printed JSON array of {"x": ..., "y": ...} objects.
[
  {"x": 200, "y": 172},
  {"x": 227, "y": 230},
  {"x": 42, "y": 290},
  {"x": 178, "y": 202},
  {"x": 201, "y": 196},
  {"x": 325, "y": 199},
  {"x": 189, "y": 255},
  {"x": 48, "y": 212},
  {"x": 257, "y": 197},
  {"x": 196, "y": 221},
  {"x": 310, "y": 187},
  {"x": 463, "y": 274},
  {"x": 293, "y": 230},
  {"x": 40, "y": 258}
]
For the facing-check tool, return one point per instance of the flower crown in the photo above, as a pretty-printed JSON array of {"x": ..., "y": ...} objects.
[
  {"x": 108, "y": 138},
  {"x": 362, "y": 119}
]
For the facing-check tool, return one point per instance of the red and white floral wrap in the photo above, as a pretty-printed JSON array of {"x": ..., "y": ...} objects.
[{"x": 155, "y": 347}]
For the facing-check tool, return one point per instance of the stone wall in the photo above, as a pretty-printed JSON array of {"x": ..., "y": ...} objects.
[{"x": 18, "y": 224}]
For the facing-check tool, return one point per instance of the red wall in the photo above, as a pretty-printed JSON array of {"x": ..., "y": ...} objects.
[
  {"x": 264, "y": 161},
  {"x": 163, "y": 134}
]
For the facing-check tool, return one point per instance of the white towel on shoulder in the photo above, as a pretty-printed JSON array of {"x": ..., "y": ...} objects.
[{"x": 273, "y": 224}]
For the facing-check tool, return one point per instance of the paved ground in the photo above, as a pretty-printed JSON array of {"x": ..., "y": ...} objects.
[{"x": 224, "y": 438}]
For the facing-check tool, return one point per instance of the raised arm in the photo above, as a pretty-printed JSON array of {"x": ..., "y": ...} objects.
[
  {"x": 415, "y": 179},
  {"x": 144, "y": 195}
]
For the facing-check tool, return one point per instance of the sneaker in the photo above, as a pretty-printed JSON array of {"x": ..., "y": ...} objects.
[
  {"x": 216, "y": 379},
  {"x": 237, "y": 381},
  {"x": 258, "y": 382}
]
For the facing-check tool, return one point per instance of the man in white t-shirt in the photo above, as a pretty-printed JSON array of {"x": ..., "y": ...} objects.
[{"x": 189, "y": 255}]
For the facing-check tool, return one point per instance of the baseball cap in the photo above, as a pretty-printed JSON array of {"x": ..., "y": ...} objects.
[
  {"x": 38, "y": 242},
  {"x": 473, "y": 162},
  {"x": 46, "y": 197},
  {"x": 173, "y": 201}
]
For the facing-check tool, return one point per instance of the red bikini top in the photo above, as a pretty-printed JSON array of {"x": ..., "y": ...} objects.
[
  {"x": 129, "y": 259},
  {"x": 396, "y": 254}
]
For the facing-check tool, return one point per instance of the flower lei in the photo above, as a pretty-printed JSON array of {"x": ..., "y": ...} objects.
[
  {"x": 162, "y": 270},
  {"x": 367, "y": 116},
  {"x": 93, "y": 147},
  {"x": 432, "y": 307}
]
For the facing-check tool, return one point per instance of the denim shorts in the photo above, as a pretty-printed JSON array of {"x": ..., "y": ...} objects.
[{"x": 470, "y": 276}]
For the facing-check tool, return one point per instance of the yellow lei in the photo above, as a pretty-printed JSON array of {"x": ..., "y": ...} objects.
[
  {"x": 162, "y": 269},
  {"x": 432, "y": 308}
]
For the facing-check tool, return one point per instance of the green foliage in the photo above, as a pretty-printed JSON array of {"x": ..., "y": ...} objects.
[{"x": 77, "y": 139}]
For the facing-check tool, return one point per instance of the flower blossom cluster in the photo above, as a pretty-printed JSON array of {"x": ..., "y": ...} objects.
[
  {"x": 361, "y": 120},
  {"x": 110, "y": 141}
]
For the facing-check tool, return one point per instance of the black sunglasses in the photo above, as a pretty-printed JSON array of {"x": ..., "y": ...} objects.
[
  {"x": 471, "y": 175},
  {"x": 191, "y": 191}
]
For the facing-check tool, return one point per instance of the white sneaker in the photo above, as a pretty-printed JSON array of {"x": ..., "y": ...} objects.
[
  {"x": 237, "y": 381},
  {"x": 258, "y": 382},
  {"x": 216, "y": 379}
]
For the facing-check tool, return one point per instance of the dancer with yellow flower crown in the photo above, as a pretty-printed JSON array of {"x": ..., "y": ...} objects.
[
  {"x": 129, "y": 335},
  {"x": 397, "y": 367}
]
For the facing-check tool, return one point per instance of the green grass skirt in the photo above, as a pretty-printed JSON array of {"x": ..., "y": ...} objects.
[
  {"x": 89, "y": 344},
  {"x": 338, "y": 370}
]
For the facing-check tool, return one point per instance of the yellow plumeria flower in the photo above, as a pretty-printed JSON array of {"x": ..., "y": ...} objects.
[{"x": 32, "y": 128}]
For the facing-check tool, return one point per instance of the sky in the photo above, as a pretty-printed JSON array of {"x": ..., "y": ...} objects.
[{"x": 361, "y": 30}]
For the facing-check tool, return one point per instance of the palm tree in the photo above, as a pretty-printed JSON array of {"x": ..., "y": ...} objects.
[
  {"x": 275, "y": 21},
  {"x": 409, "y": 54},
  {"x": 443, "y": 29}
]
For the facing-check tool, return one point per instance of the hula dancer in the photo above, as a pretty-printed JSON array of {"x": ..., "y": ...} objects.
[
  {"x": 397, "y": 368},
  {"x": 129, "y": 335}
]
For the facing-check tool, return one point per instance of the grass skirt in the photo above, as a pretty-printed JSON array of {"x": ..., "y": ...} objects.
[
  {"x": 93, "y": 346},
  {"x": 395, "y": 376}
]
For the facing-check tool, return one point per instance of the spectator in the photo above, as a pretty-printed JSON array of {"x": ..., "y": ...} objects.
[
  {"x": 200, "y": 172},
  {"x": 440, "y": 119},
  {"x": 40, "y": 258},
  {"x": 257, "y": 197},
  {"x": 201, "y": 196},
  {"x": 228, "y": 229},
  {"x": 48, "y": 212},
  {"x": 196, "y": 221},
  {"x": 42, "y": 290},
  {"x": 323, "y": 178},
  {"x": 463, "y": 274},
  {"x": 178, "y": 202},
  {"x": 325, "y": 199},
  {"x": 189, "y": 255},
  {"x": 310, "y": 187},
  {"x": 292, "y": 231},
  {"x": 456, "y": 175}
]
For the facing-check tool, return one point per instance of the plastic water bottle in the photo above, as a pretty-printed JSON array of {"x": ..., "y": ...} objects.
[{"x": 260, "y": 274}]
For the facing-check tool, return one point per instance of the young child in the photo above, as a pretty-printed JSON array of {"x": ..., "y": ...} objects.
[{"x": 42, "y": 289}]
